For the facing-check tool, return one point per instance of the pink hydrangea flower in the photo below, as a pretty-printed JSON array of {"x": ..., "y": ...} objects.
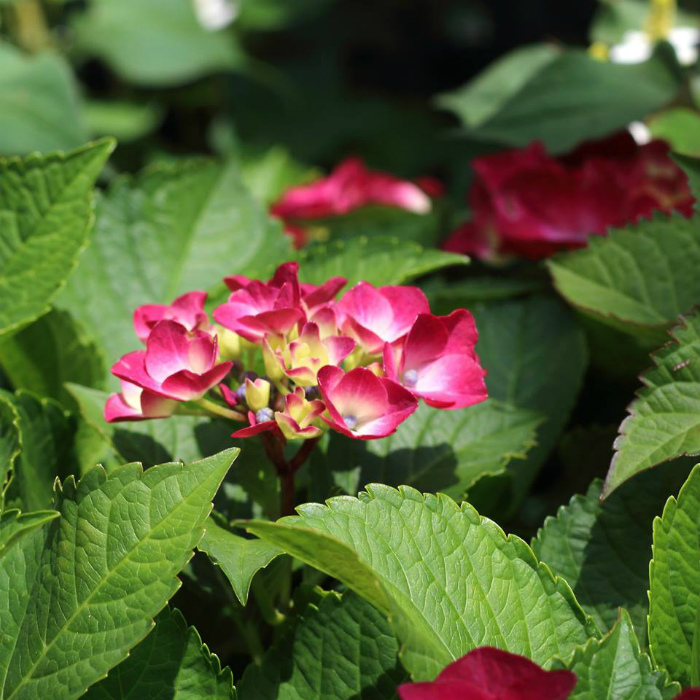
[
  {"x": 437, "y": 361},
  {"x": 349, "y": 187},
  {"x": 260, "y": 309},
  {"x": 134, "y": 403},
  {"x": 187, "y": 310},
  {"x": 362, "y": 405},
  {"x": 176, "y": 364},
  {"x": 375, "y": 316},
  {"x": 302, "y": 359},
  {"x": 312, "y": 296},
  {"x": 492, "y": 674}
]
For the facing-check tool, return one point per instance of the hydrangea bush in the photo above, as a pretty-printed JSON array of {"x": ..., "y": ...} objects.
[{"x": 343, "y": 410}]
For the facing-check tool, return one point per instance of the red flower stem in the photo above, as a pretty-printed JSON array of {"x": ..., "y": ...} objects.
[{"x": 286, "y": 470}]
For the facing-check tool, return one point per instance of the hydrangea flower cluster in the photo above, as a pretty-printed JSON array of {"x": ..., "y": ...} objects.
[
  {"x": 289, "y": 359},
  {"x": 349, "y": 187},
  {"x": 527, "y": 203}
]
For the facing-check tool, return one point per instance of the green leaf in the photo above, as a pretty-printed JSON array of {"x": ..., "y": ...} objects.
[
  {"x": 679, "y": 127},
  {"x": 73, "y": 611},
  {"x": 266, "y": 15},
  {"x": 39, "y": 105},
  {"x": 53, "y": 350},
  {"x": 15, "y": 525},
  {"x": 450, "y": 580},
  {"x": 340, "y": 648},
  {"x": 568, "y": 100},
  {"x": 45, "y": 216},
  {"x": 46, "y": 435},
  {"x": 239, "y": 558},
  {"x": 603, "y": 549},
  {"x": 433, "y": 450},
  {"x": 155, "y": 42},
  {"x": 691, "y": 167},
  {"x": 536, "y": 357},
  {"x": 615, "y": 667},
  {"x": 179, "y": 438},
  {"x": 10, "y": 442},
  {"x": 126, "y": 121},
  {"x": 252, "y": 488},
  {"x": 625, "y": 279},
  {"x": 172, "y": 229},
  {"x": 374, "y": 260},
  {"x": 382, "y": 222},
  {"x": 447, "y": 295},
  {"x": 481, "y": 99},
  {"x": 170, "y": 663},
  {"x": 674, "y": 585},
  {"x": 664, "y": 420}
]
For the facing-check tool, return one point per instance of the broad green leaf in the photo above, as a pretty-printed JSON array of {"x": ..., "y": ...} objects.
[
  {"x": 381, "y": 222},
  {"x": 170, "y": 230},
  {"x": 375, "y": 260},
  {"x": 125, "y": 121},
  {"x": 637, "y": 279},
  {"x": 45, "y": 355},
  {"x": 447, "y": 295},
  {"x": 39, "y": 104},
  {"x": 615, "y": 667},
  {"x": 341, "y": 648},
  {"x": 679, "y": 127},
  {"x": 450, "y": 580},
  {"x": 170, "y": 663},
  {"x": 664, "y": 420},
  {"x": 674, "y": 585},
  {"x": 252, "y": 488},
  {"x": 179, "y": 438},
  {"x": 45, "y": 216},
  {"x": 691, "y": 167},
  {"x": 568, "y": 100},
  {"x": 10, "y": 443},
  {"x": 536, "y": 356},
  {"x": 239, "y": 558},
  {"x": 265, "y": 15},
  {"x": 46, "y": 435},
  {"x": 482, "y": 98},
  {"x": 155, "y": 42},
  {"x": 603, "y": 549},
  {"x": 268, "y": 175},
  {"x": 75, "y": 604},
  {"x": 14, "y": 525},
  {"x": 433, "y": 450}
]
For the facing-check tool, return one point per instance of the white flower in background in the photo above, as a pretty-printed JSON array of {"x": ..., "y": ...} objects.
[
  {"x": 216, "y": 14},
  {"x": 637, "y": 46},
  {"x": 640, "y": 133}
]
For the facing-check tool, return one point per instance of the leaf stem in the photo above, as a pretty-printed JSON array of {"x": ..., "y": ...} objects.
[{"x": 31, "y": 29}]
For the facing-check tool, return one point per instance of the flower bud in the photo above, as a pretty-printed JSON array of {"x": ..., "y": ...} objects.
[
  {"x": 257, "y": 394},
  {"x": 229, "y": 344}
]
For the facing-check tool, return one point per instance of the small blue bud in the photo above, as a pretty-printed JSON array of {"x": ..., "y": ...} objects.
[
  {"x": 264, "y": 415},
  {"x": 410, "y": 377},
  {"x": 350, "y": 422}
]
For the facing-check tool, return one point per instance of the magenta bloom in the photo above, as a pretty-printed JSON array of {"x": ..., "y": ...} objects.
[
  {"x": 187, "y": 310},
  {"x": 689, "y": 694},
  {"x": 437, "y": 361},
  {"x": 350, "y": 186},
  {"x": 362, "y": 405},
  {"x": 134, "y": 403},
  {"x": 311, "y": 295},
  {"x": 376, "y": 316},
  {"x": 261, "y": 309},
  {"x": 176, "y": 364},
  {"x": 527, "y": 203},
  {"x": 491, "y": 674}
]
